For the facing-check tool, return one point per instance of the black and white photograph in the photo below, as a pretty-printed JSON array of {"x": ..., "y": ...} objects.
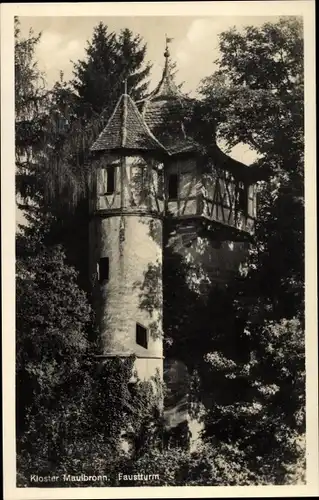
[{"x": 161, "y": 317}]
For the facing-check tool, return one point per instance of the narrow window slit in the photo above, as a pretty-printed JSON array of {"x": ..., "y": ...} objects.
[
  {"x": 173, "y": 187},
  {"x": 110, "y": 180},
  {"x": 243, "y": 198},
  {"x": 104, "y": 269},
  {"x": 141, "y": 336}
]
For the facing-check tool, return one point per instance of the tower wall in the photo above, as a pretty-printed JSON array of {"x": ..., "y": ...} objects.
[{"x": 133, "y": 292}]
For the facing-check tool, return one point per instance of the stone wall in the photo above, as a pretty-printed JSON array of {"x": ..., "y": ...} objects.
[{"x": 133, "y": 292}]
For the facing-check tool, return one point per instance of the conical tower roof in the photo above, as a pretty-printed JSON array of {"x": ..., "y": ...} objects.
[
  {"x": 127, "y": 130},
  {"x": 167, "y": 88},
  {"x": 164, "y": 110}
]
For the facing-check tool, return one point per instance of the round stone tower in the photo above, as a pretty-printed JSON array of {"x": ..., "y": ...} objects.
[{"x": 126, "y": 239}]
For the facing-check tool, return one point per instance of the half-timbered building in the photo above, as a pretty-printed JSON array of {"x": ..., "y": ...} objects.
[{"x": 149, "y": 177}]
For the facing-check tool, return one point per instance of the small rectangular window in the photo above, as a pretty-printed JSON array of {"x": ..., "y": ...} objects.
[
  {"x": 173, "y": 187},
  {"x": 159, "y": 184},
  {"x": 141, "y": 336},
  {"x": 104, "y": 269},
  {"x": 110, "y": 179},
  {"x": 243, "y": 198},
  {"x": 143, "y": 183}
]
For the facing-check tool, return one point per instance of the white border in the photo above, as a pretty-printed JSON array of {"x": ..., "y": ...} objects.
[{"x": 198, "y": 9}]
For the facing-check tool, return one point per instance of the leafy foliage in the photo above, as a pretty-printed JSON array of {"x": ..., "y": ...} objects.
[
  {"x": 261, "y": 74},
  {"x": 56, "y": 424},
  {"x": 248, "y": 367},
  {"x": 30, "y": 103},
  {"x": 52, "y": 314},
  {"x": 219, "y": 465},
  {"x": 29, "y": 83},
  {"x": 264, "y": 414},
  {"x": 63, "y": 400},
  {"x": 260, "y": 69}
]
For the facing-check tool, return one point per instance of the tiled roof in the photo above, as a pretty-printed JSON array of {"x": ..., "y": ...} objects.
[
  {"x": 225, "y": 161},
  {"x": 166, "y": 89},
  {"x": 164, "y": 110},
  {"x": 165, "y": 118},
  {"x": 126, "y": 129},
  {"x": 159, "y": 112},
  {"x": 158, "y": 126},
  {"x": 182, "y": 146}
]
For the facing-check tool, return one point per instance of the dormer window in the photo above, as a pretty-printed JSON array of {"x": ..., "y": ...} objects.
[{"x": 173, "y": 182}]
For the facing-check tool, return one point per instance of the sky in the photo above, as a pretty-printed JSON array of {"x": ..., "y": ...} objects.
[{"x": 194, "y": 47}]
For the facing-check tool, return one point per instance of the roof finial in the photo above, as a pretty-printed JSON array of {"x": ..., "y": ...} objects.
[
  {"x": 167, "y": 54},
  {"x": 168, "y": 40},
  {"x": 125, "y": 86}
]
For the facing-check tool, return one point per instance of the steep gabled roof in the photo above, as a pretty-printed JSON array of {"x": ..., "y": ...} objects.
[{"x": 126, "y": 129}]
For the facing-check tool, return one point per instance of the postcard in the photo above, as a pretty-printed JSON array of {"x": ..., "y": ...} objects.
[{"x": 159, "y": 250}]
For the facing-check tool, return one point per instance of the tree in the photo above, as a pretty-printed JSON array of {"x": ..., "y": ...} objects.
[
  {"x": 111, "y": 59},
  {"x": 263, "y": 414},
  {"x": 71, "y": 408},
  {"x": 220, "y": 465},
  {"x": 29, "y": 83},
  {"x": 261, "y": 75},
  {"x": 40, "y": 119},
  {"x": 30, "y": 105},
  {"x": 52, "y": 315},
  {"x": 257, "y": 98}
]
